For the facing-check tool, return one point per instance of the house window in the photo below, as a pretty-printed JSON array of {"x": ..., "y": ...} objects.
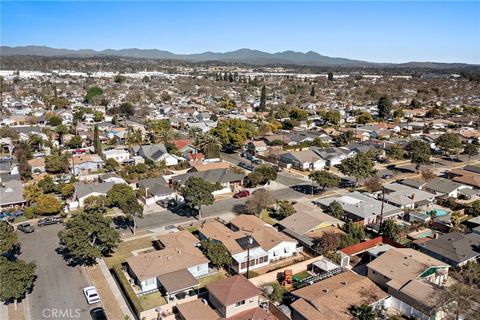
[
  {"x": 240, "y": 303},
  {"x": 150, "y": 282},
  {"x": 243, "y": 265},
  {"x": 199, "y": 267}
]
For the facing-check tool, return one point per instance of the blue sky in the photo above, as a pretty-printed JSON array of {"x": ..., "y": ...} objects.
[{"x": 375, "y": 31}]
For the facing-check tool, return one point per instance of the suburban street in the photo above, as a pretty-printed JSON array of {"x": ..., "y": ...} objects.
[{"x": 58, "y": 288}]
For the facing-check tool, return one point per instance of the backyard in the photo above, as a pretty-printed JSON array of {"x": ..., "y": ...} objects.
[{"x": 125, "y": 249}]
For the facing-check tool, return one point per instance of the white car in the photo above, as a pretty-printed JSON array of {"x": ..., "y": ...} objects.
[{"x": 91, "y": 294}]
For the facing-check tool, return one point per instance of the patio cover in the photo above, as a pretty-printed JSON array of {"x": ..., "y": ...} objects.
[
  {"x": 177, "y": 281},
  {"x": 325, "y": 265}
]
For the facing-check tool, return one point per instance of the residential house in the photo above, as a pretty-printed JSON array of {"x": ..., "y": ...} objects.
[
  {"x": 188, "y": 150},
  {"x": 333, "y": 155},
  {"x": 157, "y": 153},
  {"x": 411, "y": 277},
  {"x": 239, "y": 245},
  {"x": 309, "y": 223},
  {"x": 228, "y": 179},
  {"x": 277, "y": 244},
  {"x": 445, "y": 187},
  {"x": 454, "y": 248},
  {"x": 334, "y": 297},
  {"x": 86, "y": 162},
  {"x": 236, "y": 298},
  {"x": 85, "y": 190},
  {"x": 361, "y": 208},
  {"x": 199, "y": 166},
  {"x": 465, "y": 177},
  {"x": 11, "y": 194},
  {"x": 119, "y": 155},
  {"x": 304, "y": 160},
  {"x": 256, "y": 147},
  {"x": 197, "y": 309},
  {"x": 174, "y": 269},
  {"x": 405, "y": 197},
  {"x": 37, "y": 164},
  {"x": 156, "y": 189}
]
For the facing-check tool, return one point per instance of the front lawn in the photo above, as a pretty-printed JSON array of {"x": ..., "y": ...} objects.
[{"x": 125, "y": 249}]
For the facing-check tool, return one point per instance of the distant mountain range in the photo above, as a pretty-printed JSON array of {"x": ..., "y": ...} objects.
[{"x": 248, "y": 56}]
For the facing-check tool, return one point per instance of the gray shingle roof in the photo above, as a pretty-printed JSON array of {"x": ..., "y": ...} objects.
[
  {"x": 84, "y": 189},
  {"x": 454, "y": 246},
  {"x": 212, "y": 176},
  {"x": 11, "y": 193}
]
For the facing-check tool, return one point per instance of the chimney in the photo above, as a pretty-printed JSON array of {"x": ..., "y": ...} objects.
[
  {"x": 412, "y": 196},
  {"x": 326, "y": 290},
  {"x": 344, "y": 283}
]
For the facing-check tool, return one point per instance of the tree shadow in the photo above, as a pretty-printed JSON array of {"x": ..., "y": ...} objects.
[
  {"x": 240, "y": 208},
  {"x": 73, "y": 261}
]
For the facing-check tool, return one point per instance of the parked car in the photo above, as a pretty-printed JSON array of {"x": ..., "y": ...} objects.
[
  {"x": 257, "y": 161},
  {"x": 48, "y": 221},
  {"x": 241, "y": 194},
  {"x": 91, "y": 295},
  {"x": 98, "y": 314},
  {"x": 25, "y": 227},
  {"x": 345, "y": 183},
  {"x": 387, "y": 176}
]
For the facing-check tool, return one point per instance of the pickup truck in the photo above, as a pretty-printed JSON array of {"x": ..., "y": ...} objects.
[{"x": 48, "y": 221}]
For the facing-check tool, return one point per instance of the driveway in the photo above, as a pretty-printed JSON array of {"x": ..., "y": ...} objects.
[{"x": 58, "y": 290}]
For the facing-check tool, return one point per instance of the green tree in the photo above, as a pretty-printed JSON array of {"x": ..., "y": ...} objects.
[
  {"x": 95, "y": 204},
  {"x": 216, "y": 252},
  {"x": 48, "y": 204},
  {"x": 54, "y": 121},
  {"x": 390, "y": 229},
  {"x": 398, "y": 114},
  {"x": 209, "y": 144},
  {"x": 363, "y": 312},
  {"x": 330, "y": 76},
  {"x": 123, "y": 197},
  {"x": 75, "y": 142},
  {"x": 335, "y": 209},
  {"x": 473, "y": 208},
  {"x": 419, "y": 152},
  {"x": 355, "y": 233},
  {"x": 31, "y": 192},
  {"x": 324, "y": 179},
  {"x": 312, "y": 91},
  {"x": 47, "y": 185},
  {"x": 360, "y": 166},
  {"x": 88, "y": 236},
  {"x": 8, "y": 239},
  {"x": 395, "y": 152},
  {"x": 261, "y": 175},
  {"x": 263, "y": 100},
  {"x": 344, "y": 138},
  {"x": 111, "y": 164},
  {"x": 298, "y": 114},
  {"x": 57, "y": 164},
  {"x": 67, "y": 190},
  {"x": 17, "y": 278},
  {"x": 234, "y": 132},
  {"x": 93, "y": 92},
  {"x": 332, "y": 117},
  {"x": 470, "y": 150},
  {"x": 284, "y": 209},
  {"x": 457, "y": 301},
  {"x": 198, "y": 192},
  {"x": 126, "y": 109},
  {"x": 384, "y": 107},
  {"x": 450, "y": 142},
  {"x": 97, "y": 145},
  {"x": 364, "y": 118},
  {"x": 328, "y": 242}
]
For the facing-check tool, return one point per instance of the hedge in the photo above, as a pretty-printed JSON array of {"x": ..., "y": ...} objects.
[{"x": 132, "y": 298}]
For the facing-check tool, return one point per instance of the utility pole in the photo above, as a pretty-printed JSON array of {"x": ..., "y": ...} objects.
[
  {"x": 250, "y": 242},
  {"x": 381, "y": 210}
]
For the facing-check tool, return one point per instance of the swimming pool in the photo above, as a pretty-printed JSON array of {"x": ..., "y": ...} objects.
[{"x": 438, "y": 212}]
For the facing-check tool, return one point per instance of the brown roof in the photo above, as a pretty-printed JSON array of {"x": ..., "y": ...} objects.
[
  {"x": 218, "y": 231},
  {"x": 232, "y": 290},
  {"x": 196, "y": 309},
  {"x": 253, "y": 314},
  {"x": 333, "y": 297},
  {"x": 199, "y": 166},
  {"x": 177, "y": 280},
  {"x": 179, "y": 253},
  {"x": 402, "y": 265},
  {"x": 266, "y": 235},
  {"x": 471, "y": 179}
]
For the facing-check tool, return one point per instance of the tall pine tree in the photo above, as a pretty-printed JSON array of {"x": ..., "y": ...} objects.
[
  {"x": 263, "y": 100},
  {"x": 96, "y": 141}
]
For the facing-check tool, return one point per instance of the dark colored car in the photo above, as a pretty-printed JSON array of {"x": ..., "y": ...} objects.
[
  {"x": 387, "y": 176},
  {"x": 98, "y": 314},
  {"x": 25, "y": 227},
  {"x": 48, "y": 221},
  {"x": 242, "y": 194},
  {"x": 345, "y": 183}
]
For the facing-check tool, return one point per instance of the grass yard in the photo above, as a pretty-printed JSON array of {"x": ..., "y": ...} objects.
[
  {"x": 212, "y": 278},
  {"x": 302, "y": 275},
  {"x": 152, "y": 300},
  {"x": 125, "y": 249},
  {"x": 265, "y": 216}
]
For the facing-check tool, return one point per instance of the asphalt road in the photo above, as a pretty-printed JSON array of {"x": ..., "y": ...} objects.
[{"x": 58, "y": 289}]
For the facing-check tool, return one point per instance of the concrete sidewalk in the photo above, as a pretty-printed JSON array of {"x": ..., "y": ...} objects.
[{"x": 112, "y": 299}]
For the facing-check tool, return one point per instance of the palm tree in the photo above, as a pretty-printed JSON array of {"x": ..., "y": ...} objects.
[
  {"x": 194, "y": 132},
  {"x": 209, "y": 144},
  {"x": 165, "y": 135}
]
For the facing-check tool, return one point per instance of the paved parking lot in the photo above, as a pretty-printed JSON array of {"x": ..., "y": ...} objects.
[{"x": 58, "y": 290}]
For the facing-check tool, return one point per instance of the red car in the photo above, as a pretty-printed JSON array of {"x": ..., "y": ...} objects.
[{"x": 242, "y": 194}]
